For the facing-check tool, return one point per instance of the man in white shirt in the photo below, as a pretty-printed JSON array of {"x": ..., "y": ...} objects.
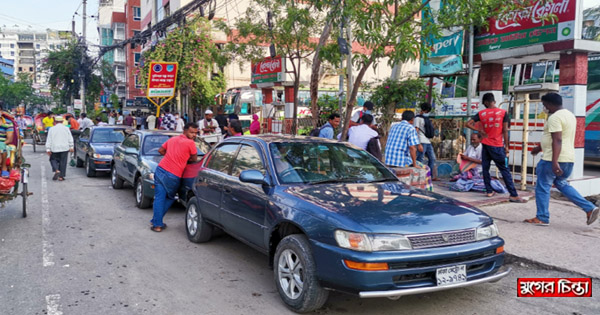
[
  {"x": 179, "y": 123},
  {"x": 111, "y": 118},
  {"x": 473, "y": 154},
  {"x": 208, "y": 125},
  {"x": 151, "y": 120},
  {"x": 119, "y": 119},
  {"x": 361, "y": 135},
  {"x": 59, "y": 143},
  {"x": 85, "y": 122}
]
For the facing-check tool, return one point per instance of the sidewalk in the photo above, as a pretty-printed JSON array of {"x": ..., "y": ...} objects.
[{"x": 566, "y": 244}]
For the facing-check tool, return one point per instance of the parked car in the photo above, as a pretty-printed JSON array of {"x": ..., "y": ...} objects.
[
  {"x": 332, "y": 217},
  {"x": 136, "y": 158},
  {"x": 95, "y": 147}
]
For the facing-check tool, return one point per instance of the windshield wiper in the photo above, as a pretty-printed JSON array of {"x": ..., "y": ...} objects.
[
  {"x": 339, "y": 180},
  {"x": 383, "y": 180}
]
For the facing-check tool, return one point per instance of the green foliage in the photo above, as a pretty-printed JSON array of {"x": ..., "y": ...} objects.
[
  {"x": 200, "y": 60},
  {"x": 114, "y": 99},
  {"x": 21, "y": 91}
]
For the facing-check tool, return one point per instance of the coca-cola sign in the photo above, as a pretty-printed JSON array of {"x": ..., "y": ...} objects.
[
  {"x": 539, "y": 22},
  {"x": 268, "y": 70},
  {"x": 537, "y": 14}
]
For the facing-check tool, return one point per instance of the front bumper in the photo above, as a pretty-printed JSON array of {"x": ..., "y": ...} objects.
[
  {"x": 410, "y": 272},
  {"x": 100, "y": 165},
  {"x": 148, "y": 188}
]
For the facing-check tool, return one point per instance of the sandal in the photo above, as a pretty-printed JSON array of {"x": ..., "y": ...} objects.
[
  {"x": 56, "y": 175},
  {"x": 593, "y": 215},
  {"x": 156, "y": 228},
  {"x": 517, "y": 200},
  {"x": 536, "y": 221},
  {"x": 60, "y": 179},
  {"x": 492, "y": 194}
]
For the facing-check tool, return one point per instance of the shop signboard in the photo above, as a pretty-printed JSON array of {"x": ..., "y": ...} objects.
[
  {"x": 444, "y": 53},
  {"x": 591, "y": 20},
  {"x": 162, "y": 81},
  {"x": 268, "y": 70},
  {"x": 539, "y": 22}
]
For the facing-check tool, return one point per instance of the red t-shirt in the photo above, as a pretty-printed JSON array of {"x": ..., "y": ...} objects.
[
  {"x": 179, "y": 150},
  {"x": 492, "y": 119}
]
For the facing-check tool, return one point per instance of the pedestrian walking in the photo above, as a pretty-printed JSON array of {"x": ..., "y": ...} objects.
[
  {"x": 59, "y": 143},
  {"x": 151, "y": 120},
  {"x": 179, "y": 123},
  {"x": 129, "y": 120},
  {"x": 112, "y": 120},
  {"x": 425, "y": 131},
  {"x": 168, "y": 122},
  {"x": 494, "y": 128},
  {"x": 120, "y": 119},
  {"x": 556, "y": 165},
  {"x": 177, "y": 151},
  {"x": 402, "y": 142},
  {"x": 139, "y": 122}
]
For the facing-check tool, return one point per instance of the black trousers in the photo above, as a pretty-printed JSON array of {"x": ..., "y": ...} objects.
[{"x": 59, "y": 160}]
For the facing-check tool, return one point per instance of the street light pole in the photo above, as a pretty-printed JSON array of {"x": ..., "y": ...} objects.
[{"x": 83, "y": 17}]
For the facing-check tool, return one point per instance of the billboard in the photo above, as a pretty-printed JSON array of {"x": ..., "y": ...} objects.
[
  {"x": 162, "y": 79},
  {"x": 268, "y": 70},
  {"x": 540, "y": 22},
  {"x": 591, "y": 20},
  {"x": 444, "y": 53}
]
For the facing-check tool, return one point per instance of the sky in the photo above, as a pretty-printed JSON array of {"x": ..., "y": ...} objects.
[{"x": 53, "y": 14}]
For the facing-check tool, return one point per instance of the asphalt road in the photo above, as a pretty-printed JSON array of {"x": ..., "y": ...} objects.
[{"x": 86, "y": 249}]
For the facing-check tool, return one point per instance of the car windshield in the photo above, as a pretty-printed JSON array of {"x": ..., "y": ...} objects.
[
  {"x": 315, "y": 163},
  {"x": 106, "y": 135},
  {"x": 153, "y": 143}
]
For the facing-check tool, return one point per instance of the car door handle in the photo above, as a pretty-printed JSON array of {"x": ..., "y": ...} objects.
[{"x": 227, "y": 189}]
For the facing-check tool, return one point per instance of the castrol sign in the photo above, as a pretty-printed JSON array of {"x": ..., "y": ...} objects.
[{"x": 268, "y": 70}]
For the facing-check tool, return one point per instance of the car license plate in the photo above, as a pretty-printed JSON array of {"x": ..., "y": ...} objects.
[{"x": 451, "y": 275}]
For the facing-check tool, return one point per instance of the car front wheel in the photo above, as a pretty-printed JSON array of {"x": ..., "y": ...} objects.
[
  {"x": 141, "y": 201},
  {"x": 198, "y": 230},
  {"x": 89, "y": 171},
  {"x": 296, "y": 275},
  {"x": 115, "y": 180}
]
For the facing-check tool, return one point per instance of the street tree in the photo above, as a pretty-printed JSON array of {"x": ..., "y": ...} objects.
[
  {"x": 21, "y": 91},
  {"x": 201, "y": 61},
  {"x": 289, "y": 25}
]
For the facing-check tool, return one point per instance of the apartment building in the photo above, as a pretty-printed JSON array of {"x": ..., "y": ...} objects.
[
  {"x": 7, "y": 68},
  {"x": 28, "y": 48},
  {"x": 133, "y": 52}
]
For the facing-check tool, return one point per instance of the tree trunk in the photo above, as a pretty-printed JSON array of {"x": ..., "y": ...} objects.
[
  {"x": 352, "y": 98},
  {"x": 314, "y": 76},
  {"x": 386, "y": 122},
  {"x": 296, "y": 87}
]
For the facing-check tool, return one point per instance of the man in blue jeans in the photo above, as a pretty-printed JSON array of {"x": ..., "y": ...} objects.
[
  {"x": 177, "y": 151},
  {"x": 426, "y": 149},
  {"x": 493, "y": 127},
  {"x": 556, "y": 165}
]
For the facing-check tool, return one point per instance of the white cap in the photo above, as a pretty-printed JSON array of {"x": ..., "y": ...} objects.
[{"x": 208, "y": 112}]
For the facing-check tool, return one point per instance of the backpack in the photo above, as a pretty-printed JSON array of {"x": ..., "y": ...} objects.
[
  {"x": 315, "y": 132},
  {"x": 429, "y": 131}
]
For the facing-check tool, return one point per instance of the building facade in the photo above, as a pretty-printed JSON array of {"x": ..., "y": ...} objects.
[
  {"x": 7, "y": 68},
  {"x": 133, "y": 52}
]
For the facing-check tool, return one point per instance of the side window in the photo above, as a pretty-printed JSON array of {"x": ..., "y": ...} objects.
[
  {"x": 220, "y": 160},
  {"x": 86, "y": 133},
  {"x": 131, "y": 141},
  {"x": 247, "y": 159}
]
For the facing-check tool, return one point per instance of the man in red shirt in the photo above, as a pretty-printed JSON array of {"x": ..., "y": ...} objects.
[
  {"x": 177, "y": 151},
  {"x": 493, "y": 126}
]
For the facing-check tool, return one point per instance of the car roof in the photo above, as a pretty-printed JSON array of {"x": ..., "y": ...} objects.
[
  {"x": 159, "y": 132},
  {"x": 277, "y": 138},
  {"x": 110, "y": 127}
]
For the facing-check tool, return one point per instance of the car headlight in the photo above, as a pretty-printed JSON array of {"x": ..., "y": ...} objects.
[
  {"x": 486, "y": 232},
  {"x": 371, "y": 242},
  {"x": 102, "y": 156},
  {"x": 150, "y": 176}
]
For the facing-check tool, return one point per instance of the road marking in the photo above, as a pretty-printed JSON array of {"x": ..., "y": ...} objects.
[
  {"x": 53, "y": 304},
  {"x": 48, "y": 255}
]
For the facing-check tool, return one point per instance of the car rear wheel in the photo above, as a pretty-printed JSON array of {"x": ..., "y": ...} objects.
[
  {"x": 78, "y": 162},
  {"x": 296, "y": 276},
  {"x": 115, "y": 180},
  {"x": 198, "y": 230},
  {"x": 89, "y": 171},
  {"x": 141, "y": 201}
]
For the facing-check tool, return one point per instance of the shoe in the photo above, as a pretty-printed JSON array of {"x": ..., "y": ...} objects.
[
  {"x": 156, "y": 228},
  {"x": 536, "y": 221},
  {"x": 593, "y": 215},
  {"x": 517, "y": 200},
  {"x": 56, "y": 175}
]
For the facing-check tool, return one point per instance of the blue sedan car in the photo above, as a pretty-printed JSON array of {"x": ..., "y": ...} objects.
[
  {"x": 95, "y": 148},
  {"x": 332, "y": 217}
]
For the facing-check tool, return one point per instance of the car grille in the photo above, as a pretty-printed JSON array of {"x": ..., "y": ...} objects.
[
  {"x": 439, "y": 262},
  {"x": 442, "y": 239}
]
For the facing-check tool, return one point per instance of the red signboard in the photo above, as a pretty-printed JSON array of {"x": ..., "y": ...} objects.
[
  {"x": 162, "y": 79},
  {"x": 268, "y": 70},
  {"x": 554, "y": 287}
]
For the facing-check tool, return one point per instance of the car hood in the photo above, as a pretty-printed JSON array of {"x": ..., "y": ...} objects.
[
  {"x": 152, "y": 161},
  {"x": 386, "y": 208},
  {"x": 104, "y": 148}
]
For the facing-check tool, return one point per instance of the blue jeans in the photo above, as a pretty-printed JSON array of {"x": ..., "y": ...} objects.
[
  {"x": 427, "y": 151},
  {"x": 496, "y": 154},
  {"x": 545, "y": 179},
  {"x": 166, "y": 186}
]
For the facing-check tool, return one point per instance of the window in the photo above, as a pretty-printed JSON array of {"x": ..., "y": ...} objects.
[
  {"x": 247, "y": 159},
  {"x": 85, "y": 134},
  {"x": 30, "y": 69},
  {"x": 594, "y": 72},
  {"x": 136, "y": 58},
  {"x": 138, "y": 84},
  {"x": 153, "y": 143},
  {"x": 132, "y": 141},
  {"x": 20, "y": 69},
  {"x": 137, "y": 13},
  {"x": 37, "y": 46},
  {"x": 108, "y": 136},
  {"x": 51, "y": 46},
  {"x": 58, "y": 46},
  {"x": 12, "y": 53},
  {"x": 12, "y": 45},
  {"x": 220, "y": 160},
  {"x": 136, "y": 33}
]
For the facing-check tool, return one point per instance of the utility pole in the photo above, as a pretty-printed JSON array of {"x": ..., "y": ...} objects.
[
  {"x": 470, "y": 81},
  {"x": 84, "y": 48},
  {"x": 341, "y": 79}
]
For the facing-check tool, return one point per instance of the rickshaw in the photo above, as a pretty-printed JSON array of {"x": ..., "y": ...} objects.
[
  {"x": 30, "y": 126},
  {"x": 39, "y": 132},
  {"x": 19, "y": 170}
]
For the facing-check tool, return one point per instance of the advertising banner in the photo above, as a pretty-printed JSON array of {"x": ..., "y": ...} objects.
[
  {"x": 540, "y": 22},
  {"x": 162, "y": 79},
  {"x": 444, "y": 53},
  {"x": 591, "y": 20},
  {"x": 268, "y": 70}
]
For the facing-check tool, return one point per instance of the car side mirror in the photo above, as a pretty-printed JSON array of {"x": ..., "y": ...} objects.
[
  {"x": 131, "y": 151},
  {"x": 254, "y": 177}
]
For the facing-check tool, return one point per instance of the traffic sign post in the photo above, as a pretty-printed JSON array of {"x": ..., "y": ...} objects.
[{"x": 162, "y": 81}]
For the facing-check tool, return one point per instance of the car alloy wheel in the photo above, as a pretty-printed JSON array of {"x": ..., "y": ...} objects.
[
  {"x": 139, "y": 192},
  {"x": 291, "y": 274},
  {"x": 192, "y": 219},
  {"x": 113, "y": 176}
]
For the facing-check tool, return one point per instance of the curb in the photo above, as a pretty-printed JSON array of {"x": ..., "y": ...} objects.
[{"x": 526, "y": 262}]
